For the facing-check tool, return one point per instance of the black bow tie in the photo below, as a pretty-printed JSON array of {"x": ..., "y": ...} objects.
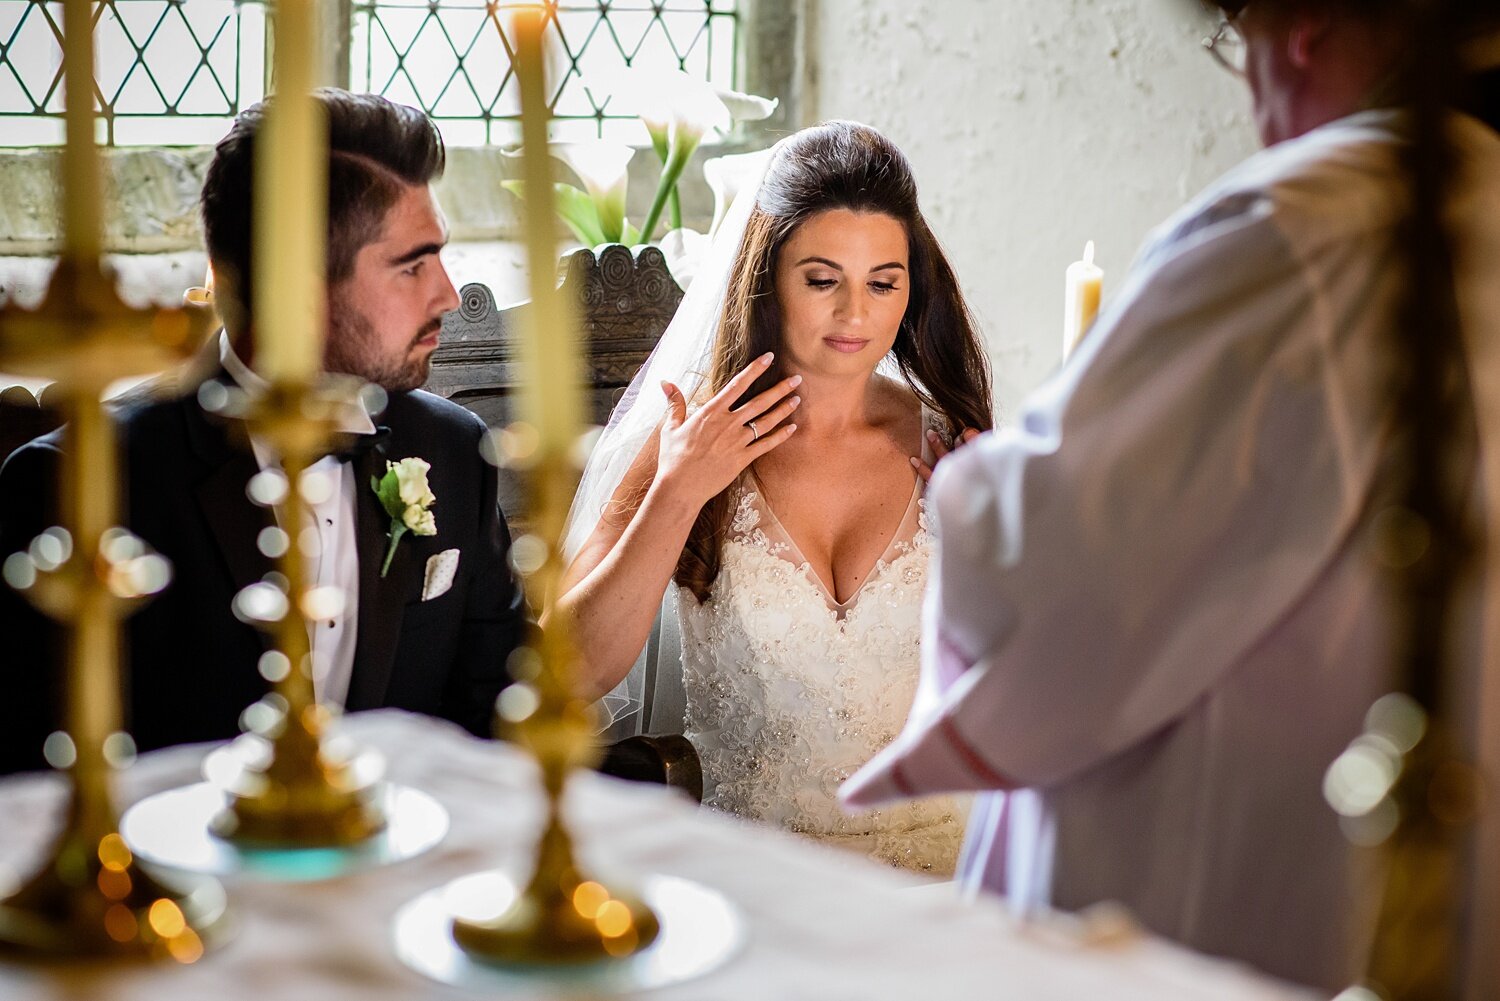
[{"x": 347, "y": 447}]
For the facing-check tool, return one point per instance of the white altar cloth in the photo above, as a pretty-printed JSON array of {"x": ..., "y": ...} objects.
[{"x": 823, "y": 924}]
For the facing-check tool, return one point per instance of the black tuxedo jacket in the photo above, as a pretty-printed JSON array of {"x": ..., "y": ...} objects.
[{"x": 192, "y": 666}]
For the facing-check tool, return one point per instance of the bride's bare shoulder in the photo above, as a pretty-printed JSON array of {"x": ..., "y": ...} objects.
[{"x": 899, "y": 407}]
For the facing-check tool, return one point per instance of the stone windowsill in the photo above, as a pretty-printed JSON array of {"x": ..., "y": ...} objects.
[
  {"x": 159, "y": 214},
  {"x": 157, "y": 243}
]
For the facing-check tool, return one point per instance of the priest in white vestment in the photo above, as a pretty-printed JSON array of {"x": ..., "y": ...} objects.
[{"x": 1156, "y": 607}]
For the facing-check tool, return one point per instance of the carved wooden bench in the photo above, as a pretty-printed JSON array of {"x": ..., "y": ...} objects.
[{"x": 22, "y": 418}]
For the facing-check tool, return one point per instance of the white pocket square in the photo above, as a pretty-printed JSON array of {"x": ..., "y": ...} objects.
[{"x": 439, "y": 576}]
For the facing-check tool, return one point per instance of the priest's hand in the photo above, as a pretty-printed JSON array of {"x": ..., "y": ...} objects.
[{"x": 939, "y": 450}]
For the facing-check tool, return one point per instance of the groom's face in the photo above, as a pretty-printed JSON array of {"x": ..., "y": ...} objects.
[{"x": 384, "y": 319}]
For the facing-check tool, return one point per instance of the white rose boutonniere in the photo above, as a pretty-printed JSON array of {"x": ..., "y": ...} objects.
[{"x": 406, "y": 497}]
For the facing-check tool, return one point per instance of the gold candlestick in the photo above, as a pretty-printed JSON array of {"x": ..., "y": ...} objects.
[
  {"x": 1406, "y": 783},
  {"x": 291, "y": 207},
  {"x": 562, "y": 916},
  {"x": 299, "y": 793},
  {"x": 91, "y": 896}
]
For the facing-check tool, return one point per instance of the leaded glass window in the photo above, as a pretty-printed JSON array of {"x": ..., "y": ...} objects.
[
  {"x": 175, "y": 72},
  {"x": 168, "y": 72},
  {"x": 452, "y": 59}
]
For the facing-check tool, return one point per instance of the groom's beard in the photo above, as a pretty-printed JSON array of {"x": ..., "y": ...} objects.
[{"x": 354, "y": 349}]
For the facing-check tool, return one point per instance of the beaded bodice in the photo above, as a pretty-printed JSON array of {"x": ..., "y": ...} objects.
[{"x": 789, "y": 691}]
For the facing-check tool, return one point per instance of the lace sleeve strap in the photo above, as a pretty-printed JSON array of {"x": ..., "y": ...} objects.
[{"x": 931, "y": 421}]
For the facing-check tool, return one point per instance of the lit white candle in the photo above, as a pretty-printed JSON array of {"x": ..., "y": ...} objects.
[
  {"x": 83, "y": 209},
  {"x": 1083, "y": 287},
  {"x": 201, "y": 295},
  {"x": 551, "y": 397},
  {"x": 291, "y": 207}
]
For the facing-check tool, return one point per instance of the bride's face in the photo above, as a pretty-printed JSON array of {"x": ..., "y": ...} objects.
[{"x": 842, "y": 283}]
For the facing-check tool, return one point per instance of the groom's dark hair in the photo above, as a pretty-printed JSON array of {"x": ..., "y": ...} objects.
[{"x": 376, "y": 148}]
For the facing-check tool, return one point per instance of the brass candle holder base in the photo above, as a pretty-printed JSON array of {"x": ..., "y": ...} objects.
[
  {"x": 562, "y": 917},
  {"x": 301, "y": 793},
  {"x": 700, "y": 930},
  {"x": 574, "y": 921},
  {"x": 92, "y": 898}
]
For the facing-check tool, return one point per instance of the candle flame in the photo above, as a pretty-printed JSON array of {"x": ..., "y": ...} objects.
[{"x": 1088, "y": 252}]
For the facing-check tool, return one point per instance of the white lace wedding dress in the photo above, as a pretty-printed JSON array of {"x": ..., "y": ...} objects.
[{"x": 789, "y": 691}]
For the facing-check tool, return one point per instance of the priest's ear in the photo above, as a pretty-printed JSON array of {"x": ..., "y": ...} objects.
[{"x": 1309, "y": 30}]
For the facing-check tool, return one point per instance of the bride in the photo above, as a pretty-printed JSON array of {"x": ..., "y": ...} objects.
[{"x": 770, "y": 460}]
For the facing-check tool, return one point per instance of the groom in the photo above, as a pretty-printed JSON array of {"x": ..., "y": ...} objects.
[{"x": 431, "y": 633}]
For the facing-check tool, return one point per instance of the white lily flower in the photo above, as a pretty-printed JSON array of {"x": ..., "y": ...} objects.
[
  {"x": 727, "y": 176},
  {"x": 677, "y": 110},
  {"x": 604, "y": 169},
  {"x": 748, "y": 107},
  {"x": 671, "y": 103},
  {"x": 684, "y": 250}
]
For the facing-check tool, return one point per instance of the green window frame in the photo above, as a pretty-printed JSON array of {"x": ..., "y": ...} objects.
[{"x": 173, "y": 73}]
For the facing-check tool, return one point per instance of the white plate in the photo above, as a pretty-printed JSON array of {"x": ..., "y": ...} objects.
[
  {"x": 700, "y": 930},
  {"x": 170, "y": 829}
]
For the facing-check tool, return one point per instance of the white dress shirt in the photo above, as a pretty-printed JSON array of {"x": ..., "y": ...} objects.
[
  {"x": 327, "y": 539},
  {"x": 1155, "y": 602}
]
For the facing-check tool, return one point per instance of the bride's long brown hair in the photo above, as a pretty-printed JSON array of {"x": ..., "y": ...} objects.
[{"x": 840, "y": 165}]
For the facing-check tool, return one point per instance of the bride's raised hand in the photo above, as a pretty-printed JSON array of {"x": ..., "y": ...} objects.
[
  {"x": 703, "y": 453},
  {"x": 939, "y": 450}
]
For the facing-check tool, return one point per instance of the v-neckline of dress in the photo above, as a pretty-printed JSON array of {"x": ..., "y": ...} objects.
[{"x": 829, "y": 594}]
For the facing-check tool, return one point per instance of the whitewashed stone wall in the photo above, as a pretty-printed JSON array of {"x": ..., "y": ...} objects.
[{"x": 1033, "y": 126}]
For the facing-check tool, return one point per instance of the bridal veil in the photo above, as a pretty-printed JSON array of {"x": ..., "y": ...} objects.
[{"x": 650, "y": 698}]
